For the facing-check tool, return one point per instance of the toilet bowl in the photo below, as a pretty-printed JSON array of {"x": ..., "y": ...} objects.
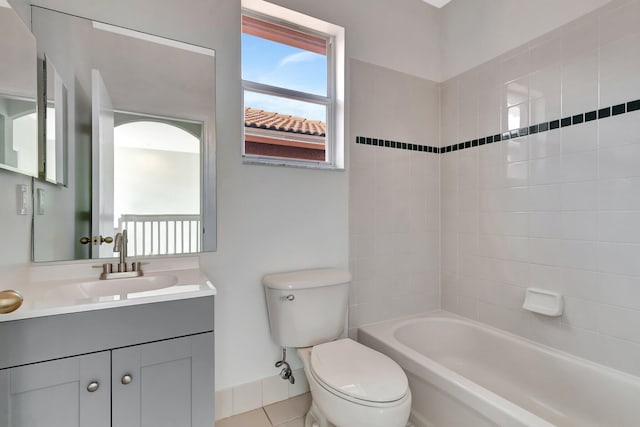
[
  {"x": 363, "y": 389},
  {"x": 351, "y": 385}
]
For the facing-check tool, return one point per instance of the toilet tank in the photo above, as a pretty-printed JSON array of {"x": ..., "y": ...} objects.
[{"x": 307, "y": 307}]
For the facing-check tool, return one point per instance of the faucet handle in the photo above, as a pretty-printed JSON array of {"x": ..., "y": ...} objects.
[
  {"x": 137, "y": 265},
  {"x": 106, "y": 268}
]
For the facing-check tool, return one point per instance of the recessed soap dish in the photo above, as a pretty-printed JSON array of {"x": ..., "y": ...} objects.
[{"x": 544, "y": 302}]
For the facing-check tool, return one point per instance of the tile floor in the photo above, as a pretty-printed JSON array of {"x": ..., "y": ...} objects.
[{"x": 288, "y": 413}]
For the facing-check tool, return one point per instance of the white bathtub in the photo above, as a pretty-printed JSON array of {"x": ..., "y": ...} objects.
[{"x": 464, "y": 373}]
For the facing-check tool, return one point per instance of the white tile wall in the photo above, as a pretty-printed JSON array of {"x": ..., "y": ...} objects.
[
  {"x": 558, "y": 210},
  {"x": 394, "y": 196},
  {"x": 274, "y": 389},
  {"x": 247, "y": 397}
]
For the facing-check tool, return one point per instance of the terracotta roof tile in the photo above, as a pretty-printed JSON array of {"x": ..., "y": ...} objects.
[{"x": 281, "y": 122}]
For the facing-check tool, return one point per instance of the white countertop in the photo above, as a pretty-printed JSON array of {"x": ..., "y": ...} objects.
[{"x": 64, "y": 296}]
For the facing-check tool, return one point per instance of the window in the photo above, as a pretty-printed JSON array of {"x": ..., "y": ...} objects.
[{"x": 290, "y": 94}]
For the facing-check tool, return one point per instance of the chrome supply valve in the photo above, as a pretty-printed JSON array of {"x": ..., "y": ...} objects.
[{"x": 286, "y": 373}]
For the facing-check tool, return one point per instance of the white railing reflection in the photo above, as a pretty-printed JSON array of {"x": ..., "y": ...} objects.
[{"x": 161, "y": 234}]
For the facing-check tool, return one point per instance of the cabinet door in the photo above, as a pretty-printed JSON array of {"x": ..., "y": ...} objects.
[
  {"x": 164, "y": 384},
  {"x": 56, "y": 393}
]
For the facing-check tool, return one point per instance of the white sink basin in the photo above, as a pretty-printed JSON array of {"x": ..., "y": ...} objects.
[
  {"x": 51, "y": 293},
  {"x": 105, "y": 288}
]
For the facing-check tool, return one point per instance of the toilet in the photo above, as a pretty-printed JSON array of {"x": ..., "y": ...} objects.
[{"x": 351, "y": 385}]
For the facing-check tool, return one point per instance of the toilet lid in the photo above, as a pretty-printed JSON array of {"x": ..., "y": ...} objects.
[{"x": 357, "y": 371}]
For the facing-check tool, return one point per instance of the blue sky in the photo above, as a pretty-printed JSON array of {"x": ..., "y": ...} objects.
[{"x": 276, "y": 64}]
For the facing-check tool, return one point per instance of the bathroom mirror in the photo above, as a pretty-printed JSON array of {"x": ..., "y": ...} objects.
[
  {"x": 18, "y": 119},
  {"x": 135, "y": 113}
]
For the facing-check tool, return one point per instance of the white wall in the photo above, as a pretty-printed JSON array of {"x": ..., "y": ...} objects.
[
  {"x": 143, "y": 178},
  {"x": 475, "y": 31},
  {"x": 17, "y": 79},
  {"x": 22, "y": 8},
  {"x": 16, "y": 229},
  {"x": 137, "y": 82},
  {"x": 556, "y": 210},
  {"x": 17, "y": 47},
  {"x": 401, "y": 35}
]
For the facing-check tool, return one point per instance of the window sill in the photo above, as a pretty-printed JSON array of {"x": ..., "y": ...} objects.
[{"x": 263, "y": 161}]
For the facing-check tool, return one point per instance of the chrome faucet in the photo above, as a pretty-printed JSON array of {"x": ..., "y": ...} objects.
[
  {"x": 120, "y": 245},
  {"x": 123, "y": 270}
]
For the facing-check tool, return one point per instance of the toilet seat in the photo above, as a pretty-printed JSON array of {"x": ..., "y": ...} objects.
[{"x": 358, "y": 374}]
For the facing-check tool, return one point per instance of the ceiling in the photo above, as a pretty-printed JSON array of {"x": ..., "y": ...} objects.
[{"x": 437, "y": 3}]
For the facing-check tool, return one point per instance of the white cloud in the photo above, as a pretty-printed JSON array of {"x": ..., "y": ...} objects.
[{"x": 298, "y": 57}]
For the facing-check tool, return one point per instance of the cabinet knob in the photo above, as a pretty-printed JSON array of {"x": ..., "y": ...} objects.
[
  {"x": 93, "y": 386},
  {"x": 126, "y": 379}
]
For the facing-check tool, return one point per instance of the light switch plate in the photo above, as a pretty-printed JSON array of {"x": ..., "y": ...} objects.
[
  {"x": 23, "y": 199},
  {"x": 40, "y": 200}
]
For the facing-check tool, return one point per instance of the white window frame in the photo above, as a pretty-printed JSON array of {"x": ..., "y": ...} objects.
[{"x": 334, "y": 99}]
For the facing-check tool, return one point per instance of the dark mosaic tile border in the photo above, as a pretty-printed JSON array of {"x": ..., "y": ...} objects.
[
  {"x": 396, "y": 144},
  {"x": 602, "y": 113}
]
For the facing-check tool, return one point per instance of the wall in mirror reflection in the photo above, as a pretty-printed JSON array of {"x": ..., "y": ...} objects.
[
  {"x": 56, "y": 126},
  {"x": 153, "y": 158},
  {"x": 18, "y": 119}
]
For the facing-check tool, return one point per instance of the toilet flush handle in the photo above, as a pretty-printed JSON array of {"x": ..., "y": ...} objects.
[{"x": 289, "y": 297}]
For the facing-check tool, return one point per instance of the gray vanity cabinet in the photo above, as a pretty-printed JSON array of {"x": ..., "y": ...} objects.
[
  {"x": 164, "y": 384},
  {"x": 56, "y": 393},
  {"x": 149, "y": 365},
  {"x": 161, "y": 384}
]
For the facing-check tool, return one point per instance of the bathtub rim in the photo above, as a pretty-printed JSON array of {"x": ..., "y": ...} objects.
[{"x": 491, "y": 405}]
